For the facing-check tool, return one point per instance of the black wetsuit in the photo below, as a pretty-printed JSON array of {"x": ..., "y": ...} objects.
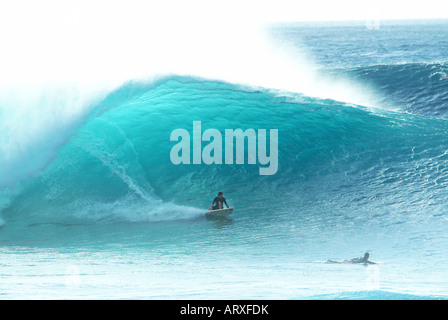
[{"x": 216, "y": 202}]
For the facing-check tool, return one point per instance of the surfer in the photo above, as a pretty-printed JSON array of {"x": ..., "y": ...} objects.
[
  {"x": 364, "y": 260},
  {"x": 218, "y": 202}
]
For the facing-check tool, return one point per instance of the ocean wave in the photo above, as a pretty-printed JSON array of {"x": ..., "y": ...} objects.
[
  {"x": 417, "y": 88},
  {"x": 118, "y": 156}
]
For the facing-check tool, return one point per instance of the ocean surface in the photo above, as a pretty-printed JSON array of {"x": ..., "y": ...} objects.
[{"x": 91, "y": 206}]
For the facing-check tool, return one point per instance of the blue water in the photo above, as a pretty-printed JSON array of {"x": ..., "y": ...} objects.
[{"x": 92, "y": 207}]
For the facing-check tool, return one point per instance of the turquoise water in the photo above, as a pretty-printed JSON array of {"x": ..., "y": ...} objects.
[{"x": 94, "y": 208}]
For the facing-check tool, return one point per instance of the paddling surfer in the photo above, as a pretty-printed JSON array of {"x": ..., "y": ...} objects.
[{"x": 364, "y": 260}]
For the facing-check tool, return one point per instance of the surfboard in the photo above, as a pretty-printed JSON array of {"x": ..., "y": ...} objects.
[{"x": 220, "y": 212}]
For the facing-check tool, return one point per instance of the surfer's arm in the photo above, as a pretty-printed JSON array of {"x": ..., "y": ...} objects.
[
  {"x": 226, "y": 204},
  {"x": 331, "y": 261}
]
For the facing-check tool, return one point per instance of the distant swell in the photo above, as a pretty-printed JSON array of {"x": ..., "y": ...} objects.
[{"x": 417, "y": 88}]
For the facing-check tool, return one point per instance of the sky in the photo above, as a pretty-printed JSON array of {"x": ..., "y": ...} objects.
[
  {"x": 289, "y": 10},
  {"x": 57, "y": 39}
]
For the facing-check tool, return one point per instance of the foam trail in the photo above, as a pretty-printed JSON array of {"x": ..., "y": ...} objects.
[{"x": 129, "y": 209}]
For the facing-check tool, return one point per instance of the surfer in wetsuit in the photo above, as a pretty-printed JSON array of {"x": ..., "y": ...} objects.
[
  {"x": 218, "y": 202},
  {"x": 364, "y": 260}
]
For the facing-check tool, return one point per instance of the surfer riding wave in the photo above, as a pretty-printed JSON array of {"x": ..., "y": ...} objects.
[{"x": 218, "y": 202}]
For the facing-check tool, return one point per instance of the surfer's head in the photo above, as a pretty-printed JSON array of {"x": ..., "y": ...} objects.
[
  {"x": 366, "y": 256},
  {"x": 219, "y": 194}
]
